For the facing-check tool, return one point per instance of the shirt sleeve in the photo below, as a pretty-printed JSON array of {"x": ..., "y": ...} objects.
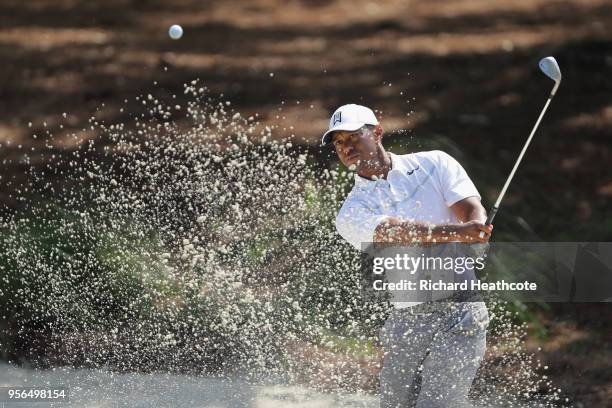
[
  {"x": 356, "y": 223},
  {"x": 456, "y": 184}
]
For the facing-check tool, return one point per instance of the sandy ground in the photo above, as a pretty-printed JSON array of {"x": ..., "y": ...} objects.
[{"x": 102, "y": 389}]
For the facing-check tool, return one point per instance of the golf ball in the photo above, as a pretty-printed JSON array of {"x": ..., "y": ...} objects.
[{"x": 175, "y": 32}]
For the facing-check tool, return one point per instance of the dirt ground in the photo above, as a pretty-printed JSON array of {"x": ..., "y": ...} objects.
[{"x": 460, "y": 75}]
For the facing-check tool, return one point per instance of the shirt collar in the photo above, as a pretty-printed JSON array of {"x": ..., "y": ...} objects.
[{"x": 396, "y": 164}]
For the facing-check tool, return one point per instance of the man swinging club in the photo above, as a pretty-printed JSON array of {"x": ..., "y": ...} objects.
[{"x": 432, "y": 349}]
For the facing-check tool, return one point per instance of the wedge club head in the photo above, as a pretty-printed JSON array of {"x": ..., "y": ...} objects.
[{"x": 551, "y": 69}]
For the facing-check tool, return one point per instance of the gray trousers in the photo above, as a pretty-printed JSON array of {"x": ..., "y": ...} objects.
[{"x": 431, "y": 354}]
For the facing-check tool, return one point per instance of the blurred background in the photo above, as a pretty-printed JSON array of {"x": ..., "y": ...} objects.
[{"x": 455, "y": 75}]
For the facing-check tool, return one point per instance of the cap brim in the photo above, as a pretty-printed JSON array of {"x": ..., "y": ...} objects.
[{"x": 350, "y": 127}]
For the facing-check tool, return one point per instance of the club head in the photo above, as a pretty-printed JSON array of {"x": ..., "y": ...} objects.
[{"x": 550, "y": 68}]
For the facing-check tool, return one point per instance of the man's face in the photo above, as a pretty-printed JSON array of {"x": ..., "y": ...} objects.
[{"x": 355, "y": 147}]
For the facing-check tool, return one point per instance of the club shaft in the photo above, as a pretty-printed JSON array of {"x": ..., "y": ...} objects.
[
  {"x": 493, "y": 211},
  {"x": 518, "y": 161}
]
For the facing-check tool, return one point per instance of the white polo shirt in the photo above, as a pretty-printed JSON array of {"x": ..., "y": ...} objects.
[{"x": 420, "y": 187}]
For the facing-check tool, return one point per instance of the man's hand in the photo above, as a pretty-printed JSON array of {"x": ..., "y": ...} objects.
[
  {"x": 470, "y": 231},
  {"x": 469, "y": 211}
]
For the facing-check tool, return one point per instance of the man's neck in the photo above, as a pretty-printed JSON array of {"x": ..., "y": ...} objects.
[{"x": 377, "y": 167}]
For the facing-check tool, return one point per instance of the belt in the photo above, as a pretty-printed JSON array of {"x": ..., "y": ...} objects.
[{"x": 442, "y": 304}]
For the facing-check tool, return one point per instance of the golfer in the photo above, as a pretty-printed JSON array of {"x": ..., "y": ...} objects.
[{"x": 432, "y": 349}]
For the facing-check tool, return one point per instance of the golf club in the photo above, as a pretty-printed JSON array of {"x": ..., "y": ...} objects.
[{"x": 551, "y": 69}]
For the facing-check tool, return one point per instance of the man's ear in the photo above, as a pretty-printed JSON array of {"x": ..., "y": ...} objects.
[{"x": 378, "y": 132}]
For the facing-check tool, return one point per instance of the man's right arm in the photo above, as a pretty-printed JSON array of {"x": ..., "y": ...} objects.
[{"x": 396, "y": 230}]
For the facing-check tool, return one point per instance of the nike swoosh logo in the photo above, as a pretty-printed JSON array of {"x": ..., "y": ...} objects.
[{"x": 410, "y": 172}]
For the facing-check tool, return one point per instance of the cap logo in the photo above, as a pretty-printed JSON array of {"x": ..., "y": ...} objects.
[{"x": 337, "y": 118}]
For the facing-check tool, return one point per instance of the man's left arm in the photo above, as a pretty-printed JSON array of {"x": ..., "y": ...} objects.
[
  {"x": 469, "y": 209},
  {"x": 459, "y": 192}
]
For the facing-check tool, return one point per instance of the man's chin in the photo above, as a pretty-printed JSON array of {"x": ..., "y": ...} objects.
[{"x": 354, "y": 166}]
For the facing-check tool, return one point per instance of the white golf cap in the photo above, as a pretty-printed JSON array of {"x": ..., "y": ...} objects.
[{"x": 349, "y": 117}]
